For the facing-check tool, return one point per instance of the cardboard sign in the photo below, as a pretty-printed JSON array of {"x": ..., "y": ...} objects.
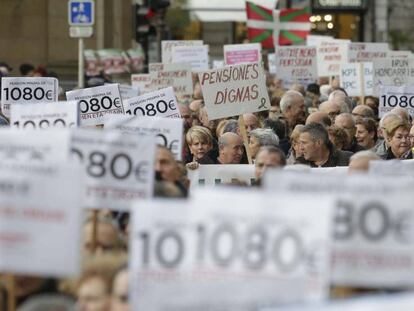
[
  {"x": 45, "y": 115},
  {"x": 359, "y": 52},
  {"x": 392, "y": 168},
  {"x": 96, "y": 102},
  {"x": 161, "y": 103},
  {"x": 118, "y": 167},
  {"x": 142, "y": 82},
  {"x": 168, "y": 45},
  {"x": 396, "y": 96},
  {"x": 357, "y": 79},
  {"x": 393, "y": 72},
  {"x": 41, "y": 217},
  {"x": 373, "y": 225},
  {"x": 242, "y": 53},
  {"x": 34, "y": 146},
  {"x": 215, "y": 175},
  {"x": 154, "y": 67},
  {"x": 297, "y": 64},
  {"x": 190, "y": 251},
  {"x": 180, "y": 78},
  {"x": 330, "y": 56},
  {"x": 272, "y": 62},
  {"x": 27, "y": 90},
  {"x": 399, "y": 54},
  {"x": 197, "y": 56},
  {"x": 128, "y": 91},
  {"x": 234, "y": 90},
  {"x": 168, "y": 132}
]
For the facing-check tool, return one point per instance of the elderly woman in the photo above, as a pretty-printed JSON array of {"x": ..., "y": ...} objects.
[
  {"x": 294, "y": 140},
  {"x": 398, "y": 140},
  {"x": 366, "y": 134},
  {"x": 200, "y": 142},
  {"x": 261, "y": 137}
]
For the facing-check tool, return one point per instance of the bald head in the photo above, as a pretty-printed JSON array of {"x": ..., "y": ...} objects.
[
  {"x": 341, "y": 99},
  {"x": 332, "y": 109},
  {"x": 251, "y": 122},
  {"x": 363, "y": 111},
  {"x": 346, "y": 121},
  {"x": 319, "y": 117},
  {"x": 230, "y": 148}
]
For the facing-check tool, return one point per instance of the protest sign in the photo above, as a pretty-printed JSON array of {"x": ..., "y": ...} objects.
[
  {"x": 168, "y": 45},
  {"x": 27, "y": 90},
  {"x": 34, "y": 146},
  {"x": 96, "y": 102},
  {"x": 142, "y": 82},
  {"x": 197, "y": 56},
  {"x": 168, "y": 132},
  {"x": 296, "y": 64},
  {"x": 154, "y": 67},
  {"x": 118, "y": 167},
  {"x": 399, "y": 54},
  {"x": 357, "y": 79},
  {"x": 40, "y": 207},
  {"x": 45, "y": 115},
  {"x": 234, "y": 90},
  {"x": 313, "y": 40},
  {"x": 242, "y": 53},
  {"x": 392, "y": 72},
  {"x": 330, "y": 56},
  {"x": 359, "y": 52},
  {"x": 161, "y": 103},
  {"x": 178, "y": 76},
  {"x": 392, "y": 168},
  {"x": 218, "y": 64},
  {"x": 190, "y": 251},
  {"x": 215, "y": 175},
  {"x": 128, "y": 91},
  {"x": 373, "y": 225},
  {"x": 271, "y": 58},
  {"x": 396, "y": 96}
]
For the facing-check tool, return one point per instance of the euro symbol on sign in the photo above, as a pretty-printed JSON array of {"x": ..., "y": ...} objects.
[{"x": 263, "y": 103}]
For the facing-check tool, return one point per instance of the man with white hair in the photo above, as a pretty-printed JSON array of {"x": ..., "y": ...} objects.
[
  {"x": 331, "y": 109},
  {"x": 347, "y": 122},
  {"x": 339, "y": 97},
  {"x": 292, "y": 106},
  {"x": 359, "y": 162}
]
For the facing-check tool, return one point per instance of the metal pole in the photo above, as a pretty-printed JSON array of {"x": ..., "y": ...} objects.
[{"x": 81, "y": 74}]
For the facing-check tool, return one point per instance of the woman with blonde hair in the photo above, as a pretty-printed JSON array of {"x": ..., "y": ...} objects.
[
  {"x": 398, "y": 140},
  {"x": 200, "y": 143}
]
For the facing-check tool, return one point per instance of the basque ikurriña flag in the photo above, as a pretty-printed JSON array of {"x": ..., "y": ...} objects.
[{"x": 260, "y": 25}]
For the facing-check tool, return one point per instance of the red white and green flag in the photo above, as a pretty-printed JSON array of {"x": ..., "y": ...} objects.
[{"x": 286, "y": 26}]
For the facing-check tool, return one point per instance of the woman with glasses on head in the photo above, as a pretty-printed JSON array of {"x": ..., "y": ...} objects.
[{"x": 366, "y": 134}]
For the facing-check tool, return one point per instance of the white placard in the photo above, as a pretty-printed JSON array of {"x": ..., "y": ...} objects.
[
  {"x": 118, "y": 166},
  {"x": 330, "y": 56},
  {"x": 40, "y": 223},
  {"x": 360, "y": 52},
  {"x": 399, "y": 54},
  {"x": 218, "y": 64},
  {"x": 271, "y": 59},
  {"x": 27, "y": 90},
  {"x": 96, "y": 102},
  {"x": 168, "y": 132},
  {"x": 392, "y": 72},
  {"x": 197, "y": 56},
  {"x": 219, "y": 174},
  {"x": 178, "y": 76},
  {"x": 373, "y": 225},
  {"x": 161, "y": 103},
  {"x": 396, "y": 96},
  {"x": 392, "y": 168},
  {"x": 34, "y": 146},
  {"x": 189, "y": 252},
  {"x": 296, "y": 64},
  {"x": 168, "y": 45},
  {"x": 235, "y": 54},
  {"x": 142, "y": 81},
  {"x": 45, "y": 115},
  {"x": 313, "y": 40},
  {"x": 128, "y": 91},
  {"x": 234, "y": 90},
  {"x": 357, "y": 79}
]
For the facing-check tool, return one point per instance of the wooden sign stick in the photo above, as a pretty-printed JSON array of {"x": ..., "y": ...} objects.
[
  {"x": 94, "y": 230},
  {"x": 11, "y": 293}
]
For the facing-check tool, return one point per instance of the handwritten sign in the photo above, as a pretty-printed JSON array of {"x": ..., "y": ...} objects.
[
  {"x": 180, "y": 78},
  {"x": 197, "y": 56},
  {"x": 330, "y": 57},
  {"x": 393, "y": 72},
  {"x": 142, "y": 81},
  {"x": 168, "y": 45},
  {"x": 359, "y": 52},
  {"x": 357, "y": 79},
  {"x": 242, "y": 53}
]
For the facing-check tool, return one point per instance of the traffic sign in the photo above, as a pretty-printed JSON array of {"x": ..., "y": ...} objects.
[{"x": 81, "y": 12}]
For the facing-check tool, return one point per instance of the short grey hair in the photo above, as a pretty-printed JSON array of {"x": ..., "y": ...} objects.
[
  {"x": 368, "y": 154},
  {"x": 265, "y": 137},
  {"x": 288, "y": 99},
  {"x": 231, "y": 126},
  {"x": 275, "y": 150},
  {"x": 386, "y": 116}
]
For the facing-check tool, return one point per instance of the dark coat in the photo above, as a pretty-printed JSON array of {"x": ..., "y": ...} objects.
[{"x": 336, "y": 158}]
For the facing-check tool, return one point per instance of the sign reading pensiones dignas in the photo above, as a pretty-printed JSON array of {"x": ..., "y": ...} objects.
[
  {"x": 242, "y": 53},
  {"x": 297, "y": 64},
  {"x": 367, "y": 52},
  {"x": 168, "y": 45},
  {"x": 357, "y": 79},
  {"x": 40, "y": 207},
  {"x": 96, "y": 102},
  {"x": 142, "y": 81},
  {"x": 27, "y": 90},
  {"x": 34, "y": 146},
  {"x": 118, "y": 167},
  {"x": 392, "y": 72},
  {"x": 190, "y": 251},
  {"x": 396, "y": 96},
  {"x": 373, "y": 225},
  {"x": 234, "y": 90},
  {"x": 161, "y": 103},
  {"x": 168, "y": 132},
  {"x": 45, "y": 115},
  {"x": 178, "y": 76}
]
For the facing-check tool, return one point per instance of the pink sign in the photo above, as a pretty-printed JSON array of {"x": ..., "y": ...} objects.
[{"x": 242, "y": 53}]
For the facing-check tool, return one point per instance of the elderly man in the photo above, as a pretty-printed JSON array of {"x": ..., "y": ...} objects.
[
  {"x": 292, "y": 106},
  {"x": 359, "y": 162},
  {"x": 339, "y": 97},
  {"x": 231, "y": 149},
  {"x": 363, "y": 111},
  {"x": 251, "y": 122},
  {"x": 319, "y": 117},
  {"x": 347, "y": 122},
  {"x": 268, "y": 156},
  {"x": 331, "y": 109},
  {"x": 317, "y": 150}
]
